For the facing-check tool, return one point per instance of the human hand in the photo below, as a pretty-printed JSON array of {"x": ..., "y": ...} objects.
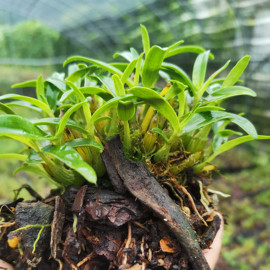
[{"x": 212, "y": 254}]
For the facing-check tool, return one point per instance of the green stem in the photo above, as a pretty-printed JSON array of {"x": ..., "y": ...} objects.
[{"x": 127, "y": 140}]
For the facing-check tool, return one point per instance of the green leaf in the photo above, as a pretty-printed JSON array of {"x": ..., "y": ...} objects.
[
  {"x": 55, "y": 122},
  {"x": 161, "y": 133},
  {"x": 152, "y": 65},
  {"x": 80, "y": 142},
  {"x": 108, "y": 105},
  {"x": 118, "y": 85},
  {"x": 14, "y": 156},
  {"x": 72, "y": 159},
  {"x": 81, "y": 73},
  {"x": 31, "y": 83},
  {"x": 228, "y": 92},
  {"x": 23, "y": 104},
  {"x": 6, "y": 109},
  {"x": 236, "y": 72},
  {"x": 209, "y": 108},
  {"x": 125, "y": 110},
  {"x": 232, "y": 143},
  {"x": 145, "y": 39},
  {"x": 128, "y": 55},
  {"x": 175, "y": 89},
  {"x": 108, "y": 83},
  {"x": 138, "y": 70},
  {"x": 223, "y": 136},
  {"x": 43, "y": 106},
  {"x": 178, "y": 74},
  {"x": 102, "y": 118},
  {"x": 19, "y": 126},
  {"x": 202, "y": 119},
  {"x": 199, "y": 69},
  {"x": 157, "y": 102},
  {"x": 65, "y": 118},
  {"x": 101, "y": 64},
  {"x": 211, "y": 78},
  {"x": 187, "y": 49},
  {"x": 40, "y": 93},
  {"x": 51, "y": 94},
  {"x": 37, "y": 170},
  {"x": 128, "y": 71}
]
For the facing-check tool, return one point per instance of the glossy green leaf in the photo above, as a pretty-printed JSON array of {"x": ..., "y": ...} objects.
[
  {"x": 212, "y": 77},
  {"x": 79, "y": 74},
  {"x": 161, "y": 133},
  {"x": 209, "y": 108},
  {"x": 43, "y": 106},
  {"x": 128, "y": 71},
  {"x": 5, "y": 108},
  {"x": 57, "y": 81},
  {"x": 236, "y": 72},
  {"x": 138, "y": 70},
  {"x": 92, "y": 90},
  {"x": 65, "y": 118},
  {"x": 125, "y": 110},
  {"x": 199, "y": 69},
  {"x": 145, "y": 39},
  {"x": 175, "y": 89},
  {"x": 19, "y": 126},
  {"x": 108, "y": 105},
  {"x": 222, "y": 137},
  {"x": 31, "y": 83},
  {"x": 55, "y": 122},
  {"x": 37, "y": 170},
  {"x": 40, "y": 92},
  {"x": 232, "y": 143},
  {"x": 187, "y": 49},
  {"x": 152, "y": 65},
  {"x": 102, "y": 118},
  {"x": 51, "y": 94},
  {"x": 118, "y": 85},
  {"x": 80, "y": 142},
  {"x": 174, "y": 46},
  {"x": 108, "y": 84},
  {"x": 228, "y": 92},
  {"x": 99, "y": 63},
  {"x": 33, "y": 158},
  {"x": 72, "y": 159},
  {"x": 178, "y": 74},
  {"x": 159, "y": 103},
  {"x": 14, "y": 156},
  {"x": 128, "y": 55},
  {"x": 23, "y": 104}
]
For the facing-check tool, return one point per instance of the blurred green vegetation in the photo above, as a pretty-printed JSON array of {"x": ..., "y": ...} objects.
[{"x": 246, "y": 239}]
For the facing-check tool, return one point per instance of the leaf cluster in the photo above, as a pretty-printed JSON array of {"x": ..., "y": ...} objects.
[{"x": 160, "y": 112}]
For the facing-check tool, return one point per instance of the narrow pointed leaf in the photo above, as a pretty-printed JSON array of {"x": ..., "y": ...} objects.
[
  {"x": 236, "y": 72},
  {"x": 14, "y": 156},
  {"x": 81, "y": 73},
  {"x": 152, "y": 65},
  {"x": 108, "y": 83},
  {"x": 43, "y": 106},
  {"x": 211, "y": 78},
  {"x": 175, "y": 89},
  {"x": 102, "y": 118},
  {"x": 199, "y": 69},
  {"x": 157, "y": 102},
  {"x": 72, "y": 159},
  {"x": 161, "y": 133},
  {"x": 229, "y": 92},
  {"x": 40, "y": 88},
  {"x": 187, "y": 49},
  {"x": 80, "y": 142},
  {"x": 145, "y": 39},
  {"x": 108, "y": 105},
  {"x": 128, "y": 55},
  {"x": 19, "y": 126},
  {"x": 31, "y": 83},
  {"x": 232, "y": 143},
  {"x": 138, "y": 70},
  {"x": 118, "y": 85},
  {"x": 55, "y": 122},
  {"x": 51, "y": 94},
  {"x": 128, "y": 71},
  {"x": 99, "y": 63},
  {"x": 5, "y": 108}
]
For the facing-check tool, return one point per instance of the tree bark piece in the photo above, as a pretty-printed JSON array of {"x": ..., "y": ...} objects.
[{"x": 141, "y": 184}]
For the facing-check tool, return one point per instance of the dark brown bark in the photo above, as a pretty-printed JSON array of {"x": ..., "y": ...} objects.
[{"x": 141, "y": 184}]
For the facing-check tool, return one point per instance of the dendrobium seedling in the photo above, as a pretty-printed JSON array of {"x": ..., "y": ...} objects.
[{"x": 181, "y": 125}]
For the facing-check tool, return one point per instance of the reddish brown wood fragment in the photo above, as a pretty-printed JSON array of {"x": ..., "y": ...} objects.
[{"x": 78, "y": 202}]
